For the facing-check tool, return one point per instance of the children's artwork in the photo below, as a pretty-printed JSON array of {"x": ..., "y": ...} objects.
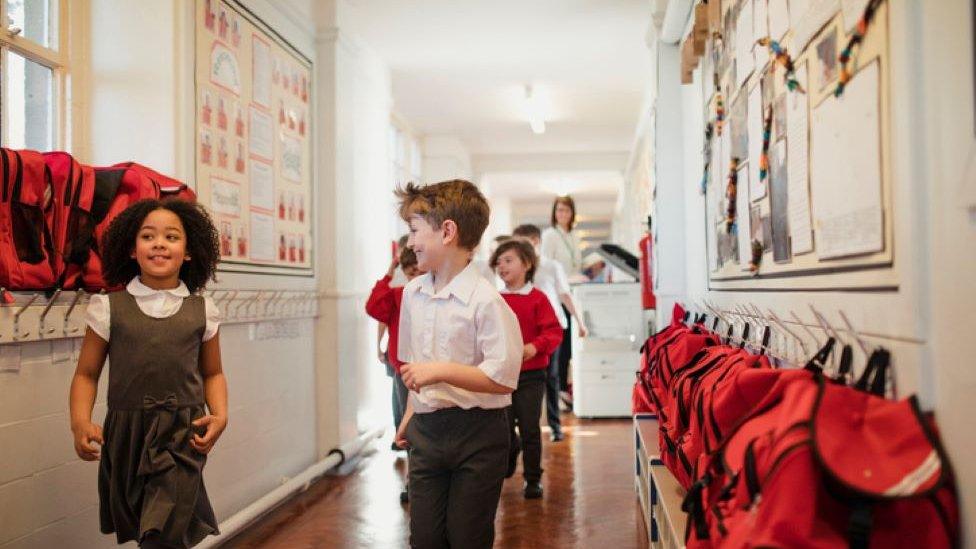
[
  {"x": 779, "y": 117},
  {"x": 261, "y": 71},
  {"x": 739, "y": 128},
  {"x": 760, "y": 29},
  {"x": 756, "y": 224},
  {"x": 827, "y": 59},
  {"x": 743, "y": 229},
  {"x": 853, "y": 10},
  {"x": 779, "y": 202},
  {"x": 845, "y": 153},
  {"x": 757, "y": 186},
  {"x": 745, "y": 60},
  {"x": 811, "y": 20},
  {"x": 247, "y": 165},
  {"x": 224, "y": 70},
  {"x": 797, "y": 170}
]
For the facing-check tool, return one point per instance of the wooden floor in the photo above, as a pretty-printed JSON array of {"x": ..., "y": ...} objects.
[{"x": 589, "y": 500}]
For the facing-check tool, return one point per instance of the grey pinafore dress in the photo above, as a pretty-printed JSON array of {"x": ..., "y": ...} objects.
[{"x": 150, "y": 478}]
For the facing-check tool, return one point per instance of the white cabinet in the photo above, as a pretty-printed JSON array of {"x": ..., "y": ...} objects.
[{"x": 604, "y": 363}]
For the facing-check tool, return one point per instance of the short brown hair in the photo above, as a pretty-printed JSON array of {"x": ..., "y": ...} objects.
[
  {"x": 457, "y": 200},
  {"x": 567, "y": 200},
  {"x": 527, "y": 230},
  {"x": 522, "y": 249},
  {"x": 408, "y": 258}
]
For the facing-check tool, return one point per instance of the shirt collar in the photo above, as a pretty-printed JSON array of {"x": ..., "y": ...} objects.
[
  {"x": 461, "y": 286},
  {"x": 524, "y": 290},
  {"x": 138, "y": 289}
]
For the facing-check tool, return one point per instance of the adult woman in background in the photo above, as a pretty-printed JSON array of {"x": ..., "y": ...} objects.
[{"x": 561, "y": 244}]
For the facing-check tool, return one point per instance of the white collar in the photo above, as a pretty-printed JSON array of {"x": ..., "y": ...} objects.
[
  {"x": 138, "y": 289},
  {"x": 461, "y": 286},
  {"x": 524, "y": 290}
]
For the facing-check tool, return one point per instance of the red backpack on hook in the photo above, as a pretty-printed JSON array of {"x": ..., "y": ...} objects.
[
  {"x": 70, "y": 216},
  {"x": 27, "y": 254}
]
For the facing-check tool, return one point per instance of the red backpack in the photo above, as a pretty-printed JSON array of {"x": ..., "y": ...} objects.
[
  {"x": 69, "y": 217},
  {"x": 27, "y": 256},
  {"x": 116, "y": 188},
  {"x": 871, "y": 472}
]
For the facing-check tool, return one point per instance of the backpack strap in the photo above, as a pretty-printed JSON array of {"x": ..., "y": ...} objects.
[
  {"x": 5, "y": 169},
  {"x": 874, "y": 380},
  {"x": 819, "y": 360}
]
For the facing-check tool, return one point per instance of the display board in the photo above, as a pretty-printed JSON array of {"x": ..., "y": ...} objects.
[
  {"x": 812, "y": 186},
  {"x": 253, "y": 129}
]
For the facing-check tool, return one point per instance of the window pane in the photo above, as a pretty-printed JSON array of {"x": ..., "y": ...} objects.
[
  {"x": 37, "y": 20},
  {"x": 28, "y": 104}
]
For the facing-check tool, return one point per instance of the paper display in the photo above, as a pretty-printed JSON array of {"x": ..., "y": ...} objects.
[
  {"x": 262, "y": 134},
  {"x": 745, "y": 62},
  {"x": 742, "y": 217},
  {"x": 853, "y": 10},
  {"x": 845, "y": 153},
  {"x": 779, "y": 19},
  {"x": 291, "y": 158},
  {"x": 261, "y": 78},
  {"x": 760, "y": 29},
  {"x": 816, "y": 16},
  {"x": 757, "y": 188},
  {"x": 262, "y": 185},
  {"x": 225, "y": 197},
  {"x": 779, "y": 202},
  {"x": 797, "y": 168},
  {"x": 262, "y": 237}
]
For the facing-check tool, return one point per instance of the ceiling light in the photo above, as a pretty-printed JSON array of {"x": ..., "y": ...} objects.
[{"x": 534, "y": 111}]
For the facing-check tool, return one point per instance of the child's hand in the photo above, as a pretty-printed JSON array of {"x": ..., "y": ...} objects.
[
  {"x": 418, "y": 375},
  {"x": 401, "y": 435},
  {"x": 215, "y": 426},
  {"x": 381, "y": 354},
  {"x": 528, "y": 352},
  {"x": 85, "y": 435},
  {"x": 583, "y": 332},
  {"x": 393, "y": 266}
]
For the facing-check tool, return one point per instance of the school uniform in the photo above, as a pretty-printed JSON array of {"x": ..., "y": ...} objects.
[
  {"x": 550, "y": 278},
  {"x": 564, "y": 246},
  {"x": 459, "y": 439},
  {"x": 383, "y": 305},
  {"x": 539, "y": 326},
  {"x": 150, "y": 480}
]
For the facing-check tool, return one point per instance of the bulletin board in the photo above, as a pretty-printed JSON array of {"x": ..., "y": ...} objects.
[
  {"x": 821, "y": 202},
  {"x": 253, "y": 140}
]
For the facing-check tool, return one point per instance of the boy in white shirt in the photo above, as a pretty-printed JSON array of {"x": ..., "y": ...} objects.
[
  {"x": 462, "y": 352},
  {"x": 550, "y": 278}
]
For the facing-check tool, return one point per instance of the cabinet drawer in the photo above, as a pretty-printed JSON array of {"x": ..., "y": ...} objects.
[{"x": 612, "y": 361}]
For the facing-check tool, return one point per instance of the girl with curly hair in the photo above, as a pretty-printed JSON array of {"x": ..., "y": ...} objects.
[{"x": 167, "y": 396}]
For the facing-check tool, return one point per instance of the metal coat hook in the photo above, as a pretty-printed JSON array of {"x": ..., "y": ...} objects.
[
  {"x": 17, "y": 333},
  {"x": 67, "y": 315},
  {"x": 779, "y": 322},
  {"x": 267, "y": 304},
  {"x": 853, "y": 332},
  {"x": 237, "y": 309},
  {"x": 47, "y": 308},
  {"x": 229, "y": 297},
  {"x": 251, "y": 309}
]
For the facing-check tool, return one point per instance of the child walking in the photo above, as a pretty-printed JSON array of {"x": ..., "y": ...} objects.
[
  {"x": 515, "y": 261},
  {"x": 462, "y": 349},
  {"x": 167, "y": 396}
]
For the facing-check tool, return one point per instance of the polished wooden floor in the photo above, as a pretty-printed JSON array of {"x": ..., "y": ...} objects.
[{"x": 589, "y": 500}]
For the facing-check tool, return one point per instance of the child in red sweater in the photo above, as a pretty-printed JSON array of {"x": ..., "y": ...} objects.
[
  {"x": 515, "y": 262},
  {"x": 384, "y": 305}
]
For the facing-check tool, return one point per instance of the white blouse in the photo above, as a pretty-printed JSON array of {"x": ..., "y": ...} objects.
[
  {"x": 155, "y": 303},
  {"x": 563, "y": 247}
]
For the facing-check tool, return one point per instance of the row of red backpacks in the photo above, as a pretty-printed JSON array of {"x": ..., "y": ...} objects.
[
  {"x": 54, "y": 213},
  {"x": 793, "y": 457}
]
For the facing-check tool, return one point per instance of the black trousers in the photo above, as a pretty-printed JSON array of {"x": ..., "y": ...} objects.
[
  {"x": 458, "y": 461},
  {"x": 525, "y": 412},
  {"x": 566, "y": 351},
  {"x": 552, "y": 393}
]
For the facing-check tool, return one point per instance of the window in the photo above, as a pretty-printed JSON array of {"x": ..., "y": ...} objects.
[
  {"x": 405, "y": 155},
  {"x": 33, "y": 75}
]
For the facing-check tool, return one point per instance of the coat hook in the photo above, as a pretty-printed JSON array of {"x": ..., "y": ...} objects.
[
  {"x": 17, "y": 333},
  {"x": 67, "y": 315},
  {"x": 853, "y": 332},
  {"x": 779, "y": 322},
  {"x": 47, "y": 308}
]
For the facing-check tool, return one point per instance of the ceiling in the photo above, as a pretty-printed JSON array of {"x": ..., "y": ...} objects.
[{"x": 460, "y": 67}]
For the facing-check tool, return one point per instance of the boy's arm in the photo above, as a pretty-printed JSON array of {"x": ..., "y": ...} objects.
[
  {"x": 501, "y": 342},
  {"x": 380, "y": 330}
]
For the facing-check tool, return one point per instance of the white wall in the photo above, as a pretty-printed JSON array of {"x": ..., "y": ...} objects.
[
  {"x": 934, "y": 186},
  {"x": 445, "y": 157}
]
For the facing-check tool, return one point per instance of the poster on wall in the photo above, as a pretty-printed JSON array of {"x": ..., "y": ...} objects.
[{"x": 253, "y": 153}]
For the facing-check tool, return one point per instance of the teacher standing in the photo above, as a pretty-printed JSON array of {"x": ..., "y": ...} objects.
[{"x": 562, "y": 244}]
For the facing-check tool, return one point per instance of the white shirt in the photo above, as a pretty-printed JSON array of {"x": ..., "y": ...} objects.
[
  {"x": 155, "y": 303},
  {"x": 467, "y": 322},
  {"x": 563, "y": 247},
  {"x": 485, "y": 270},
  {"x": 524, "y": 290},
  {"x": 551, "y": 280}
]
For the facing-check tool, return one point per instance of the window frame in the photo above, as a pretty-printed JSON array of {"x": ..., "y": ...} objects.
[{"x": 57, "y": 60}]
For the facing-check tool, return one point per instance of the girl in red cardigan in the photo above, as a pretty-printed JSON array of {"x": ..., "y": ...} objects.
[{"x": 515, "y": 262}]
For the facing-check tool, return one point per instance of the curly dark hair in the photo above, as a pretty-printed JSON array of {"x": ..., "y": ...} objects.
[
  {"x": 525, "y": 253},
  {"x": 202, "y": 242}
]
